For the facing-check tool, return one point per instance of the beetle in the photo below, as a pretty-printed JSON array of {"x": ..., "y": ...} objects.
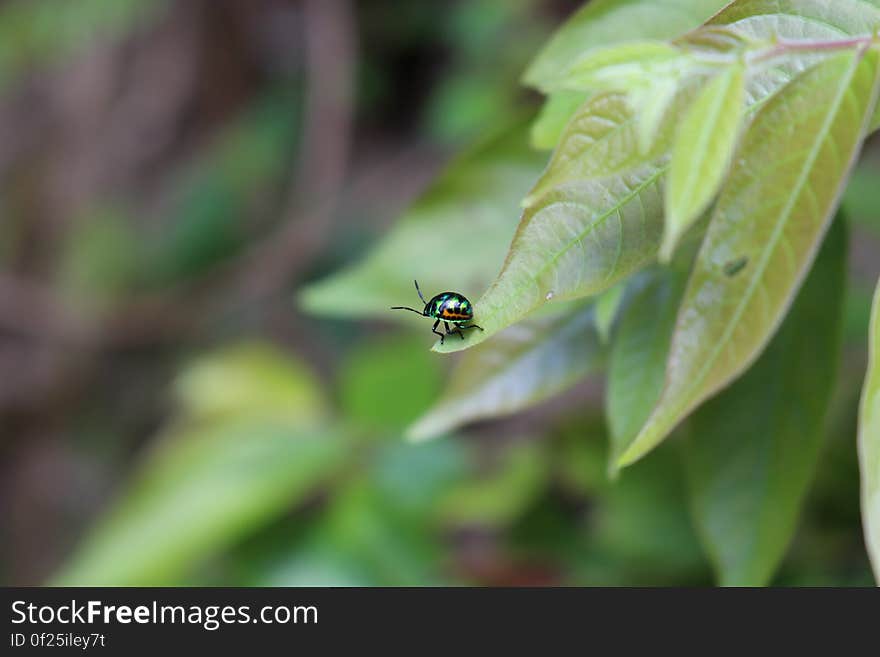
[{"x": 447, "y": 307}]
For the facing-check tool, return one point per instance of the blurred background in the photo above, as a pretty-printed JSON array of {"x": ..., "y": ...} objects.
[{"x": 172, "y": 174}]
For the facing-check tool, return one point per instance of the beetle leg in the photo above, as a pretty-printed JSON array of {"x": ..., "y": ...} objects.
[
  {"x": 471, "y": 326},
  {"x": 434, "y": 330},
  {"x": 453, "y": 331}
]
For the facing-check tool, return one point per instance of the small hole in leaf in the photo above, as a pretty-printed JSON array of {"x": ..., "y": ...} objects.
[{"x": 735, "y": 266}]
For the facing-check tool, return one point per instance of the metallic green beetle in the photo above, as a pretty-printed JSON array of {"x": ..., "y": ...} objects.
[{"x": 447, "y": 307}]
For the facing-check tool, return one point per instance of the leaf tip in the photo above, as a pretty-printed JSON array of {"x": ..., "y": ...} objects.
[
  {"x": 613, "y": 470},
  {"x": 667, "y": 248},
  {"x": 626, "y": 459},
  {"x": 644, "y": 442}
]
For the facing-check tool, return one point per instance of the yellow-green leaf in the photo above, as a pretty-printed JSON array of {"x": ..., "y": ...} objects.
[
  {"x": 702, "y": 151},
  {"x": 614, "y": 132},
  {"x": 599, "y": 140},
  {"x": 603, "y": 22},
  {"x": 600, "y": 23},
  {"x": 765, "y": 231},
  {"x": 869, "y": 443},
  {"x": 619, "y": 66},
  {"x": 553, "y": 117},
  {"x": 651, "y": 103}
]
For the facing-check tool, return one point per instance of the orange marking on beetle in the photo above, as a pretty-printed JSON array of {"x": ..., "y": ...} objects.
[{"x": 448, "y": 314}]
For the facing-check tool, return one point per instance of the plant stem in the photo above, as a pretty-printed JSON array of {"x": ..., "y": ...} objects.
[{"x": 785, "y": 46}]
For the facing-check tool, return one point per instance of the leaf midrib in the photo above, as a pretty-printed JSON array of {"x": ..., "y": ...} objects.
[{"x": 599, "y": 220}]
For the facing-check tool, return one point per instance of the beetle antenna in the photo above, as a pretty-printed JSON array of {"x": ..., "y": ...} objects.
[
  {"x": 405, "y": 308},
  {"x": 419, "y": 291}
]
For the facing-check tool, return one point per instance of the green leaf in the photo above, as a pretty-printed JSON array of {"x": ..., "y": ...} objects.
[
  {"x": 603, "y": 22},
  {"x": 765, "y": 231},
  {"x": 578, "y": 240},
  {"x": 702, "y": 151},
  {"x": 652, "y": 102},
  {"x": 751, "y": 452},
  {"x": 607, "y": 306},
  {"x": 608, "y": 135},
  {"x": 522, "y": 366},
  {"x": 600, "y": 140},
  {"x": 620, "y": 66},
  {"x": 478, "y": 194},
  {"x": 216, "y": 474},
  {"x": 869, "y": 443},
  {"x": 875, "y": 122},
  {"x": 553, "y": 117},
  {"x": 637, "y": 365}
]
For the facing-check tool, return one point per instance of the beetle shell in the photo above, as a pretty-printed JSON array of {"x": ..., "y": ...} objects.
[{"x": 451, "y": 307}]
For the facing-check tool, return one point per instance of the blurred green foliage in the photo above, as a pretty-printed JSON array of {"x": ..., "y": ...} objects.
[
  {"x": 247, "y": 441},
  {"x": 381, "y": 391},
  {"x": 226, "y": 183},
  {"x": 39, "y": 33}
]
